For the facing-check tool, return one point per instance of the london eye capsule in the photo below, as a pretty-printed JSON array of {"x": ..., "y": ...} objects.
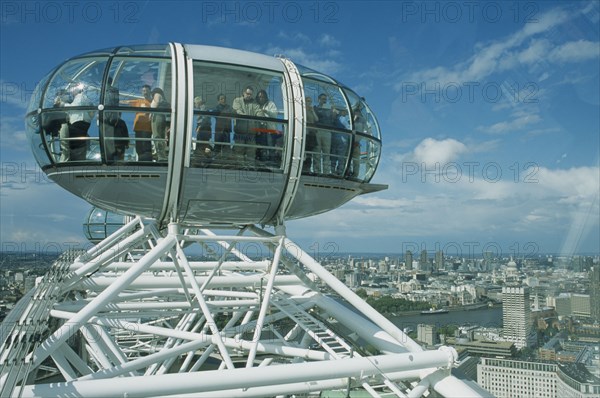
[
  {"x": 99, "y": 224},
  {"x": 202, "y": 135}
]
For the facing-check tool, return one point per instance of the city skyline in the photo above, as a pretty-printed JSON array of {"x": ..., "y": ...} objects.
[{"x": 489, "y": 114}]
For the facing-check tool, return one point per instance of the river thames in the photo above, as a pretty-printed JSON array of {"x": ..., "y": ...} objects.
[{"x": 485, "y": 317}]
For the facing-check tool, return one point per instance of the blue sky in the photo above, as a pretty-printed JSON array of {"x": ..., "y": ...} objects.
[{"x": 490, "y": 113}]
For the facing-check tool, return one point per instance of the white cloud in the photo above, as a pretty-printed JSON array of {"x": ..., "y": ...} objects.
[
  {"x": 296, "y": 37},
  {"x": 373, "y": 201},
  {"x": 556, "y": 209},
  {"x": 13, "y": 136},
  {"x": 328, "y": 40},
  {"x": 29, "y": 201},
  {"x": 575, "y": 51},
  {"x": 13, "y": 93},
  {"x": 432, "y": 151},
  {"x": 577, "y": 185},
  {"x": 316, "y": 61},
  {"x": 520, "y": 121},
  {"x": 520, "y": 48},
  {"x": 321, "y": 57}
]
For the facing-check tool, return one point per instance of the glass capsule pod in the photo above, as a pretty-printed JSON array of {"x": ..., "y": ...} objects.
[
  {"x": 202, "y": 135},
  {"x": 99, "y": 224}
]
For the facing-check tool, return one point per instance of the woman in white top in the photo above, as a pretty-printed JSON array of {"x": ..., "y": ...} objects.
[{"x": 79, "y": 124}]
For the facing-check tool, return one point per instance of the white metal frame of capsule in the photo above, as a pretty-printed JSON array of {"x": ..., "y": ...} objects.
[{"x": 288, "y": 177}]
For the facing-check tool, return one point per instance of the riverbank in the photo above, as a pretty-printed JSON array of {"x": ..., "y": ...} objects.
[
  {"x": 486, "y": 317},
  {"x": 472, "y": 307}
]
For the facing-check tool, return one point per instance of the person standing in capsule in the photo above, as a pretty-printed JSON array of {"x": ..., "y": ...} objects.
[
  {"x": 245, "y": 130},
  {"x": 159, "y": 124},
  {"x": 79, "y": 123},
  {"x": 142, "y": 126}
]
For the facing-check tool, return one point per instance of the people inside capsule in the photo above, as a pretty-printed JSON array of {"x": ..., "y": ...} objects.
[
  {"x": 341, "y": 133},
  {"x": 79, "y": 123},
  {"x": 116, "y": 133},
  {"x": 311, "y": 137},
  {"x": 359, "y": 124},
  {"x": 223, "y": 112},
  {"x": 245, "y": 129},
  {"x": 142, "y": 125},
  {"x": 267, "y": 134},
  {"x": 323, "y": 147},
  {"x": 339, "y": 141},
  {"x": 160, "y": 123},
  {"x": 203, "y": 130},
  {"x": 56, "y": 124}
]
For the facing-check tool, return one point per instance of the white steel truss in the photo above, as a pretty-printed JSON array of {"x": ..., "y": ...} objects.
[{"x": 143, "y": 314}]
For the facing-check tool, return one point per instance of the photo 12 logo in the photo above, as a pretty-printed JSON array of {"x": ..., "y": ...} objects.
[
  {"x": 22, "y": 173},
  {"x": 454, "y": 172},
  {"x": 470, "y": 92},
  {"x": 270, "y": 11},
  {"x": 54, "y": 12},
  {"x": 15, "y": 93},
  {"x": 41, "y": 248},
  {"x": 472, "y": 249},
  {"x": 469, "y": 11}
]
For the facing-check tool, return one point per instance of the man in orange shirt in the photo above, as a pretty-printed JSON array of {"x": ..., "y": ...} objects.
[{"x": 142, "y": 126}]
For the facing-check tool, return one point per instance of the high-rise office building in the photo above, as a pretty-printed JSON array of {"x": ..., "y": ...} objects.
[
  {"x": 408, "y": 260},
  {"x": 595, "y": 292},
  {"x": 439, "y": 261},
  {"x": 526, "y": 379},
  {"x": 427, "y": 334},
  {"x": 516, "y": 316},
  {"x": 580, "y": 305},
  {"x": 424, "y": 261},
  {"x": 578, "y": 263}
]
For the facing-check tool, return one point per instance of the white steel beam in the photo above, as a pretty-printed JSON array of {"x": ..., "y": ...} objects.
[
  {"x": 265, "y": 305},
  {"x": 196, "y": 266},
  {"x": 67, "y": 330},
  {"x": 95, "y": 283},
  {"x": 351, "y": 297},
  {"x": 203, "y": 307},
  {"x": 282, "y": 389},
  {"x": 173, "y": 384},
  {"x": 109, "y": 241}
]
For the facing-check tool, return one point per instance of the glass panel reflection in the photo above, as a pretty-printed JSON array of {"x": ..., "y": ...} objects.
[
  {"x": 36, "y": 96},
  {"x": 76, "y": 83},
  {"x": 32, "y": 124},
  {"x": 101, "y": 223},
  {"x": 146, "y": 50}
]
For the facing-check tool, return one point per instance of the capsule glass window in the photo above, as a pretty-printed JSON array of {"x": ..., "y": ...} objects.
[
  {"x": 69, "y": 110},
  {"x": 240, "y": 117},
  {"x": 329, "y": 137},
  {"x": 36, "y": 135},
  {"x": 137, "y": 108},
  {"x": 75, "y": 77}
]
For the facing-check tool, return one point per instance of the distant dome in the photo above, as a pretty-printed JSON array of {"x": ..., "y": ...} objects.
[{"x": 511, "y": 265}]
